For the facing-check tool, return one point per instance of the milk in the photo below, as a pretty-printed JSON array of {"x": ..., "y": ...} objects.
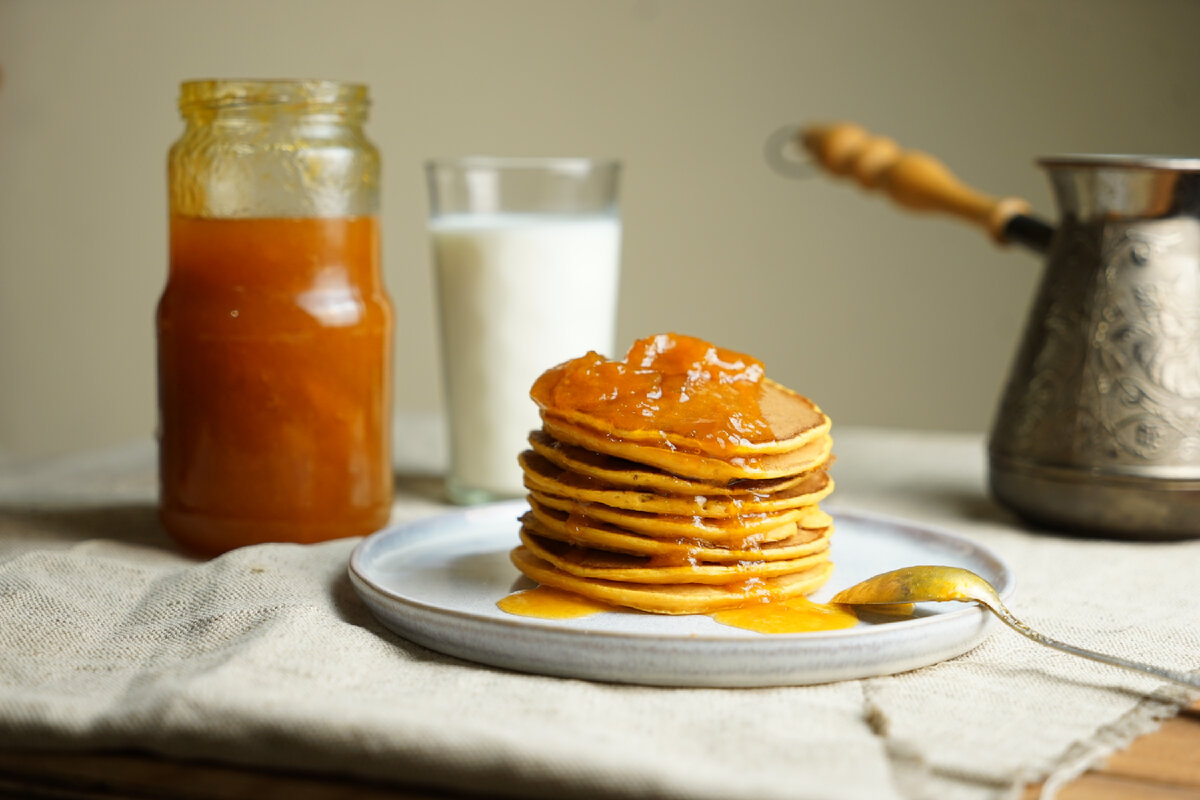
[{"x": 517, "y": 294}]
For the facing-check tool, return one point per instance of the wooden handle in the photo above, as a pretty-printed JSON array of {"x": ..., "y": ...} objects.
[{"x": 913, "y": 179}]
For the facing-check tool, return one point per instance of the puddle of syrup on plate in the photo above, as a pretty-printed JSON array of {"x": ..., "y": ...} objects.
[
  {"x": 797, "y": 615},
  {"x": 547, "y": 603}
]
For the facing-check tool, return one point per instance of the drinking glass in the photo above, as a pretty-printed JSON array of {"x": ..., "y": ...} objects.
[{"x": 526, "y": 253}]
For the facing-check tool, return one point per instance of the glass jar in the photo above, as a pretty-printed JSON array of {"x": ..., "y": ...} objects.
[{"x": 274, "y": 329}]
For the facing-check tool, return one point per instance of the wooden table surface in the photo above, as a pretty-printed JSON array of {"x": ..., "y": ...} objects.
[{"x": 1164, "y": 765}]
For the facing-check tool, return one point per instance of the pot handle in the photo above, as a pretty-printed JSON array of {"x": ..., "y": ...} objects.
[{"x": 918, "y": 181}]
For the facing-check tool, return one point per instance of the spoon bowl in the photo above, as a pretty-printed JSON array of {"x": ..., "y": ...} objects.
[{"x": 938, "y": 584}]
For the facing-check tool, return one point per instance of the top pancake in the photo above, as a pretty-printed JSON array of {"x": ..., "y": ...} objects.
[{"x": 794, "y": 421}]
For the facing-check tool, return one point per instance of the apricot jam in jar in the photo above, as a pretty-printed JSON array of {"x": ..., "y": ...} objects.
[{"x": 274, "y": 328}]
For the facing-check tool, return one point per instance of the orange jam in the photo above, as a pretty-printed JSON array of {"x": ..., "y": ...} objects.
[
  {"x": 795, "y": 615},
  {"x": 274, "y": 350},
  {"x": 547, "y": 603},
  {"x": 669, "y": 382}
]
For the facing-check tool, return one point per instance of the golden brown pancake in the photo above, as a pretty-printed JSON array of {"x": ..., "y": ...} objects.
[
  {"x": 736, "y": 531},
  {"x": 586, "y": 562},
  {"x": 684, "y": 464},
  {"x": 553, "y": 524},
  {"x": 660, "y": 598},
  {"x": 543, "y": 476},
  {"x": 631, "y": 475},
  {"x": 794, "y": 421},
  {"x": 813, "y": 518}
]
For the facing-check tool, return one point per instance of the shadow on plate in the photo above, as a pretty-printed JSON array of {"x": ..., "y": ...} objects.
[{"x": 351, "y": 609}]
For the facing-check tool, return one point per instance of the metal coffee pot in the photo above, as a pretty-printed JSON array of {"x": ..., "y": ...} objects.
[{"x": 1098, "y": 427}]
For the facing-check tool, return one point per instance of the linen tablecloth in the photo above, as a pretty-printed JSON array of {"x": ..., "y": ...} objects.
[{"x": 112, "y": 638}]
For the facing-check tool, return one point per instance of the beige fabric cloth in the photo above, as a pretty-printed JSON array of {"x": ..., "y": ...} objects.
[{"x": 111, "y": 638}]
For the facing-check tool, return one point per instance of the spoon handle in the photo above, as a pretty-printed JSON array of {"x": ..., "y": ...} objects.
[{"x": 1020, "y": 627}]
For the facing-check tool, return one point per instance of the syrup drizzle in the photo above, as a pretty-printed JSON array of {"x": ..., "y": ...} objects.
[{"x": 796, "y": 615}]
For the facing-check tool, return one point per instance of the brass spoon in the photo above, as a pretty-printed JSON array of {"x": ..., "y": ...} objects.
[{"x": 942, "y": 584}]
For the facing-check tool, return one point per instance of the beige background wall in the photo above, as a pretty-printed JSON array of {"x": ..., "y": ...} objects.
[{"x": 885, "y": 318}]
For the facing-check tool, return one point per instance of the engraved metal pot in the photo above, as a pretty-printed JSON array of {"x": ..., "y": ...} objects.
[{"x": 1098, "y": 428}]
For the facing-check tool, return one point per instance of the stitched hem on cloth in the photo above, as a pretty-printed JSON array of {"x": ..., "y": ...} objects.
[{"x": 1144, "y": 718}]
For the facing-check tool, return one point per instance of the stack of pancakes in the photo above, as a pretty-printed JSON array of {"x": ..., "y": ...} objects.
[{"x": 673, "y": 524}]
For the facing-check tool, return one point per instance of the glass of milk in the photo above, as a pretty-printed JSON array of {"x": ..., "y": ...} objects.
[{"x": 526, "y": 254}]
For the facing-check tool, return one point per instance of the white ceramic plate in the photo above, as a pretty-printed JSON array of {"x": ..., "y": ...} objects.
[{"x": 436, "y": 582}]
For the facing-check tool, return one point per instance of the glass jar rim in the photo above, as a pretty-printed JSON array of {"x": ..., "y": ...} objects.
[
  {"x": 238, "y": 92},
  {"x": 567, "y": 164}
]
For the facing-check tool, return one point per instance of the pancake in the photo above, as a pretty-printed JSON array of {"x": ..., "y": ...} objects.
[
  {"x": 666, "y": 598},
  {"x": 585, "y": 562},
  {"x": 793, "y": 420},
  {"x": 805, "y": 458},
  {"x": 553, "y": 524},
  {"x": 543, "y": 476},
  {"x": 747, "y": 528},
  {"x": 813, "y": 518},
  {"x": 630, "y": 474}
]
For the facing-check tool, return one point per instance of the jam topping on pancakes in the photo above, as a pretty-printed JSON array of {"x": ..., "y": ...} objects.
[{"x": 670, "y": 383}]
